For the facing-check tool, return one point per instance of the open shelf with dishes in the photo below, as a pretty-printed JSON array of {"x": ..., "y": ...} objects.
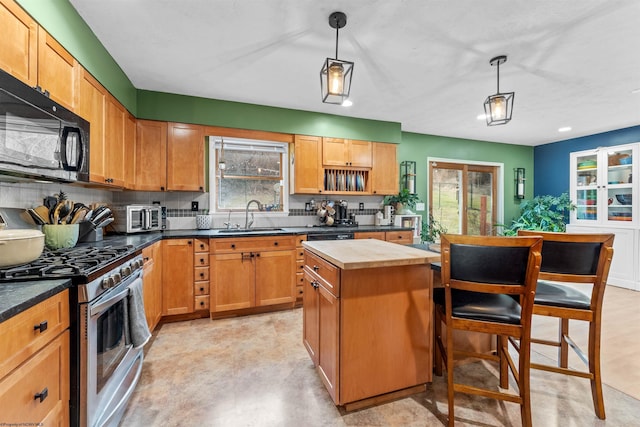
[{"x": 346, "y": 181}]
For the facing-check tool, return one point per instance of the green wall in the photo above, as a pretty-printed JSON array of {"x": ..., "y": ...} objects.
[
  {"x": 62, "y": 21},
  {"x": 417, "y": 147},
  {"x": 171, "y": 107}
]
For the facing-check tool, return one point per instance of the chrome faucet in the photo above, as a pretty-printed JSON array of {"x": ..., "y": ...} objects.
[{"x": 247, "y": 223}]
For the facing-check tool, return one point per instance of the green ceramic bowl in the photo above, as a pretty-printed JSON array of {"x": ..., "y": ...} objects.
[{"x": 58, "y": 236}]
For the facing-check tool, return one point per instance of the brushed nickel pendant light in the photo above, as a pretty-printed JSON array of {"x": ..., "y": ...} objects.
[
  {"x": 335, "y": 75},
  {"x": 498, "y": 107}
]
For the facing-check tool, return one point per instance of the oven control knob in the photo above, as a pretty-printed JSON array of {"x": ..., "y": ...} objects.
[
  {"x": 117, "y": 278},
  {"x": 125, "y": 271},
  {"x": 138, "y": 264},
  {"x": 108, "y": 282}
]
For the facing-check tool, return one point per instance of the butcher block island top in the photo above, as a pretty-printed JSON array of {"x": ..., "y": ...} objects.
[
  {"x": 367, "y": 319},
  {"x": 369, "y": 253}
]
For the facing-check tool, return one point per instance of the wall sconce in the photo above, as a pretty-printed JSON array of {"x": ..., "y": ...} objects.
[
  {"x": 335, "y": 75},
  {"x": 519, "y": 182},
  {"x": 499, "y": 107}
]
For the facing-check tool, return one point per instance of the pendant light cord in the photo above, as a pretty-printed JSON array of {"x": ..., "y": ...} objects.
[
  {"x": 498, "y": 78},
  {"x": 337, "y": 32}
]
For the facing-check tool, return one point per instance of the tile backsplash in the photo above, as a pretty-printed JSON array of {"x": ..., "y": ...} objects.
[{"x": 179, "y": 214}]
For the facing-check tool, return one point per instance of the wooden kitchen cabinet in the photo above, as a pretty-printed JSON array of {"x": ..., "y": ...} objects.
[
  {"x": 57, "y": 71},
  {"x": 114, "y": 136},
  {"x": 252, "y": 272},
  {"x": 152, "y": 284},
  {"x": 151, "y": 156},
  {"x": 384, "y": 176},
  {"x": 185, "y": 157},
  {"x": 201, "y": 274},
  {"x": 378, "y": 235},
  {"x": 300, "y": 269},
  {"x": 401, "y": 237},
  {"x": 34, "y": 362},
  {"x": 92, "y": 108},
  {"x": 177, "y": 276},
  {"x": 307, "y": 166},
  {"x": 19, "y": 43},
  {"x": 129, "y": 150},
  {"x": 346, "y": 152}
]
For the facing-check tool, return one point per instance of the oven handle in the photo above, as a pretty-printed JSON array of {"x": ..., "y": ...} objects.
[{"x": 101, "y": 306}]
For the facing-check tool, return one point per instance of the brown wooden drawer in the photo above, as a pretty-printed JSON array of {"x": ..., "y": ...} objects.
[
  {"x": 20, "y": 339},
  {"x": 201, "y": 245},
  {"x": 201, "y": 260},
  {"x": 379, "y": 235},
  {"x": 300, "y": 239},
  {"x": 47, "y": 369},
  {"x": 299, "y": 265},
  {"x": 299, "y": 291},
  {"x": 402, "y": 237},
  {"x": 202, "y": 302},
  {"x": 300, "y": 278},
  {"x": 327, "y": 271},
  {"x": 201, "y": 288},
  {"x": 300, "y": 254},
  {"x": 201, "y": 273},
  {"x": 253, "y": 244}
]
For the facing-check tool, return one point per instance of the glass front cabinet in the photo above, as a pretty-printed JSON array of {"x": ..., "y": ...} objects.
[{"x": 602, "y": 186}]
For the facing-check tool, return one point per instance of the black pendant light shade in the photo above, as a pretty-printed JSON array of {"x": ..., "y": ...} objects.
[
  {"x": 335, "y": 75},
  {"x": 498, "y": 107}
]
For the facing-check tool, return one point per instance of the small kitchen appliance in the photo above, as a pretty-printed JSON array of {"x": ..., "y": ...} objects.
[{"x": 139, "y": 218}]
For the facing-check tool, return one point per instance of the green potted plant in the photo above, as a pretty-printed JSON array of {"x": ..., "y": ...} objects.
[
  {"x": 432, "y": 229},
  {"x": 542, "y": 213},
  {"x": 403, "y": 202}
]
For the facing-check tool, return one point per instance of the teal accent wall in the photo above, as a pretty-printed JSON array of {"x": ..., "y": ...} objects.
[
  {"x": 62, "y": 21},
  {"x": 417, "y": 147},
  {"x": 189, "y": 109}
]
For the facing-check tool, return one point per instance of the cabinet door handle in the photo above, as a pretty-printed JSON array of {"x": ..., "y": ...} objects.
[
  {"x": 42, "y": 326},
  {"x": 258, "y": 254},
  {"x": 161, "y": 188},
  {"x": 189, "y": 242},
  {"x": 42, "y": 395}
]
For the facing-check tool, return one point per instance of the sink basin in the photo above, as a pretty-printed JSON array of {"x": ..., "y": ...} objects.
[{"x": 249, "y": 230}]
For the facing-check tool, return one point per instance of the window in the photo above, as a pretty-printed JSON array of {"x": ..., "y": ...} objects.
[{"x": 242, "y": 170}]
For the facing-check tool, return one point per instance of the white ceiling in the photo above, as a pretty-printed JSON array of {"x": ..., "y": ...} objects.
[{"x": 422, "y": 63}]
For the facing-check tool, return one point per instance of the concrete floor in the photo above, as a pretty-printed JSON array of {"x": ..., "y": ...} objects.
[{"x": 254, "y": 371}]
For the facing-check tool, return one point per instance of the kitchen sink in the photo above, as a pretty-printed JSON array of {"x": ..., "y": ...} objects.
[{"x": 249, "y": 230}]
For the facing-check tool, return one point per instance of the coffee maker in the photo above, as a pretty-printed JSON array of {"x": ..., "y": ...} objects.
[{"x": 342, "y": 217}]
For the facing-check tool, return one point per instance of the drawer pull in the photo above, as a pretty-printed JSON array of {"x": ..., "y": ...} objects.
[
  {"x": 202, "y": 275},
  {"x": 42, "y": 395},
  {"x": 42, "y": 326},
  {"x": 201, "y": 246},
  {"x": 275, "y": 243},
  {"x": 201, "y": 289},
  {"x": 316, "y": 268},
  {"x": 315, "y": 284},
  {"x": 201, "y": 260},
  {"x": 201, "y": 303},
  {"x": 233, "y": 246}
]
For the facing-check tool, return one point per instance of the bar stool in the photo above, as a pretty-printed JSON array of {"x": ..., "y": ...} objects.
[
  {"x": 489, "y": 285},
  {"x": 580, "y": 260}
]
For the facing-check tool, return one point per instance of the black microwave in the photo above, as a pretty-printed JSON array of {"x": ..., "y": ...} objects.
[{"x": 39, "y": 138}]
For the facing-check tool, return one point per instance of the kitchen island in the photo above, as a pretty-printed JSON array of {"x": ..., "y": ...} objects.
[{"x": 367, "y": 318}]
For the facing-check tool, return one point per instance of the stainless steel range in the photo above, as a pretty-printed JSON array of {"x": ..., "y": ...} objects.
[{"x": 105, "y": 365}]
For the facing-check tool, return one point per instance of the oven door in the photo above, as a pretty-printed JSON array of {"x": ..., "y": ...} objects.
[{"x": 113, "y": 365}]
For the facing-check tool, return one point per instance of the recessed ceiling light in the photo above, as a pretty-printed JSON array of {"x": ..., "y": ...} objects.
[
  {"x": 347, "y": 103},
  {"x": 564, "y": 129},
  {"x": 481, "y": 117}
]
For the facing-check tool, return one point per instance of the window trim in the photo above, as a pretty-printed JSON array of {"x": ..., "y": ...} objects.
[{"x": 282, "y": 148}]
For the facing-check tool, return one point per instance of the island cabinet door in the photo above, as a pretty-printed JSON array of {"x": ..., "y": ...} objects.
[
  {"x": 329, "y": 349},
  {"x": 311, "y": 317},
  {"x": 275, "y": 277},
  {"x": 232, "y": 282}
]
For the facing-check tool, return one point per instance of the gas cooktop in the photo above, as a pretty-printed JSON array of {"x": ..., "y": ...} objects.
[{"x": 63, "y": 263}]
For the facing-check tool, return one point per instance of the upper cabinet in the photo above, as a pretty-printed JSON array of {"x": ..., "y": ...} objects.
[
  {"x": 169, "y": 156},
  {"x": 19, "y": 43},
  {"x": 185, "y": 157},
  {"x": 343, "y": 166},
  {"x": 384, "y": 176},
  {"x": 602, "y": 186},
  {"x": 151, "y": 156},
  {"x": 30, "y": 54},
  {"x": 92, "y": 107},
  {"x": 306, "y": 158},
  {"x": 346, "y": 152}
]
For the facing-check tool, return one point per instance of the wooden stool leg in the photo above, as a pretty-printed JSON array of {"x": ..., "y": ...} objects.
[
  {"x": 449, "y": 366},
  {"x": 437, "y": 354},
  {"x": 503, "y": 348},
  {"x": 594, "y": 368},
  {"x": 524, "y": 369},
  {"x": 563, "y": 351}
]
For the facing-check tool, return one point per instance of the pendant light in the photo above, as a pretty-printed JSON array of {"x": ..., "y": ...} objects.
[
  {"x": 499, "y": 107},
  {"x": 335, "y": 75},
  {"x": 221, "y": 163}
]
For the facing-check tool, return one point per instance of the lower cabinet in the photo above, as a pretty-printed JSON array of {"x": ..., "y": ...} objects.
[
  {"x": 177, "y": 276},
  {"x": 201, "y": 274},
  {"x": 252, "y": 272},
  {"x": 34, "y": 369},
  {"x": 152, "y": 283},
  {"x": 403, "y": 237}
]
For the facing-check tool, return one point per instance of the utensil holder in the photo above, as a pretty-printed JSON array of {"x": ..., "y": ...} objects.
[
  {"x": 203, "y": 222},
  {"x": 88, "y": 233},
  {"x": 59, "y": 236}
]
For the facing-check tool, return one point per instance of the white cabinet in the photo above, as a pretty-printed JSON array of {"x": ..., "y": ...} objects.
[
  {"x": 602, "y": 186},
  {"x": 604, "y": 189}
]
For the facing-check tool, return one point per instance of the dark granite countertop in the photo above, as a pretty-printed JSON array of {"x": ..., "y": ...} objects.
[{"x": 16, "y": 297}]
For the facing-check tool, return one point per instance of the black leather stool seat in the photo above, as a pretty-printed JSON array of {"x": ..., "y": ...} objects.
[
  {"x": 480, "y": 306},
  {"x": 557, "y": 295}
]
